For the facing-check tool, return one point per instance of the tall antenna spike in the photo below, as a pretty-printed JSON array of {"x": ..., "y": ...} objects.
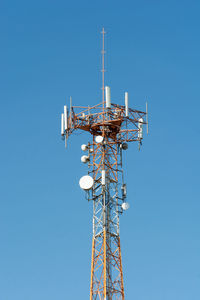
[{"x": 103, "y": 64}]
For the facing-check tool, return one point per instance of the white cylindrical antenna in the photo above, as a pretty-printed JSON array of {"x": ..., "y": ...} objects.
[
  {"x": 123, "y": 188},
  {"x": 126, "y": 104},
  {"x": 103, "y": 178},
  {"x": 65, "y": 117},
  {"x": 140, "y": 127},
  {"x": 62, "y": 124},
  {"x": 108, "y": 99},
  {"x": 147, "y": 117}
]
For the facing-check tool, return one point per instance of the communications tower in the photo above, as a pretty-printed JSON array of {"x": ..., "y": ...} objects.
[{"x": 111, "y": 126}]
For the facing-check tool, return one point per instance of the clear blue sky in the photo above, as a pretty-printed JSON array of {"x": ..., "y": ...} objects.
[{"x": 51, "y": 50}]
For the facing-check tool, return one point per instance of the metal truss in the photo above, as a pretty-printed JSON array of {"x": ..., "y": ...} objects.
[
  {"x": 117, "y": 125},
  {"x": 116, "y": 129},
  {"x": 106, "y": 266}
]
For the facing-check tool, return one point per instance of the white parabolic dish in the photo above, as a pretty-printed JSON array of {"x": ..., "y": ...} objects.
[
  {"x": 125, "y": 206},
  {"x": 84, "y": 147},
  {"x": 99, "y": 139},
  {"x": 86, "y": 182}
]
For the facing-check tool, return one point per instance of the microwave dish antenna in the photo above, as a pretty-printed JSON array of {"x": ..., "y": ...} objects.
[
  {"x": 85, "y": 159},
  {"x": 98, "y": 139},
  {"x": 125, "y": 206},
  {"x": 86, "y": 182},
  {"x": 84, "y": 147}
]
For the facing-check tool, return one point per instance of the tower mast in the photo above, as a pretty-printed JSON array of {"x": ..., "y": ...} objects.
[
  {"x": 111, "y": 126},
  {"x": 103, "y": 64}
]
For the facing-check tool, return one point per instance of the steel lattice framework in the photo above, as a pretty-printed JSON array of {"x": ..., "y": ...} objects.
[{"x": 117, "y": 125}]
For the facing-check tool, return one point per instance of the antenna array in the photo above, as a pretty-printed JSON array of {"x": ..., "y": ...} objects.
[{"x": 112, "y": 127}]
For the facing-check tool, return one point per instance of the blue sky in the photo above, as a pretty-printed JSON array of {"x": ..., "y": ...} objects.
[{"x": 50, "y": 50}]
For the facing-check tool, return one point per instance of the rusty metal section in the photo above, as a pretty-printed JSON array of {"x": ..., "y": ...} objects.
[{"x": 111, "y": 122}]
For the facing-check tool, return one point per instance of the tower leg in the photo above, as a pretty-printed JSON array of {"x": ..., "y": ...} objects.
[{"x": 104, "y": 255}]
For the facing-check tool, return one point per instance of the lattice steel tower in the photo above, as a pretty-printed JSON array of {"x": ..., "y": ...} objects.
[{"x": 111, "y": 126}]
